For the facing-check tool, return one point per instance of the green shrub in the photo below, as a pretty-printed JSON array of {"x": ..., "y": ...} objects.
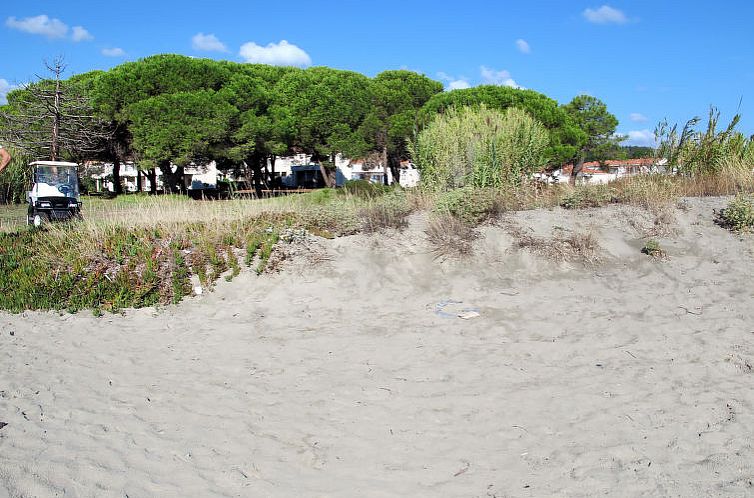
[
  {"x": 180, "y": 284},
  {"x": 652, "y": 248},
  {"x": 253, "y": 243},
  {"x": 470, "y": 205},
  {"x": 235, "y": 268},
  {"x": 364, "y": 189},
  {"x": 479, "y": 147},
  {"x": 588, "y": 196},
  {"x": 15, "y": 179},
  {"x": 739, "y": 215},
  {"x": 320, "y": 196},
  {"x": 335, "y": 217},
  {"x": 265, "y": 250}
]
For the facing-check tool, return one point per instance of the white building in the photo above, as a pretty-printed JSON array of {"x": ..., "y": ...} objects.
[
  {"x": 410, "y": 175},
  {"x": 205, "y": 176},
  {"x": 346, "y": 169},
  {"x": 102, "y": 173},
  {"x": 200, "y": 176},
  {"x": 363, "y": 169}
]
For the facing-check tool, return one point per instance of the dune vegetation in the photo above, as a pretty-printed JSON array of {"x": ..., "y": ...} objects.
[
  {"x": 476, "y": 150},
  {"x": 136, "y": 251}
]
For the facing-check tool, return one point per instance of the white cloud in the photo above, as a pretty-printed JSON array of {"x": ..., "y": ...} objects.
[
  {"x": 637, "y": 117},
  {"x": 644, "y": 138},
  {"x": 276, "y": 54},
  {"x": 207, "y": 43},
  {"x": 454, "y": 83},
  {"x": 458, "y": 85},
  {"x": 489, "y": 77},
  {"x": 49, "y": 27},
  {"x": 605, "y": 15},
  {"x": 5, "y": 87},
  {"x": 523, "y": 46},
  {"x": 81, "y": 34},
  {"x": 39, "y": 25},
  {"x": 113, "y": 52},
  {"x": 501, "y": 78}
]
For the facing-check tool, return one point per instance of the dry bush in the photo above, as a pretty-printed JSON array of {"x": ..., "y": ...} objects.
[
  {"x": 733, "y": 177},
  {"x": 648, "y": 191},
  {"x": 389, "y": 211},
  {"x": 577, "y": 247},
  {"x": 664, "y": 221},
  {"x": 449, "y": 236},
  {"x": 471, "y": 205}
]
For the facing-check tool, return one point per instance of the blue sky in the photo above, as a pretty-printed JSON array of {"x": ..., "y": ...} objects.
[{"x": 646, "y": 60}]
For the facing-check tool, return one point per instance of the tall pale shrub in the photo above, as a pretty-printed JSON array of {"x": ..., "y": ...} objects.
[{"x": 479, "y": 147}]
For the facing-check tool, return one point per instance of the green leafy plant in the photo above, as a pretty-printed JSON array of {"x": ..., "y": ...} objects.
[
  {"x": 652, "y": 248},
  {"x": 739, "y": 215},
  {"x": 588, "y": 196},
  {"x": 470, "y": 205}
]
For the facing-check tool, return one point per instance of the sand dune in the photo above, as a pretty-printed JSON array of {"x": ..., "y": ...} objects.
[{"x": 349, "y": 373}]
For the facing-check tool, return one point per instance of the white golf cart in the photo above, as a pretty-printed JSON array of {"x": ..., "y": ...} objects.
[{"x": 54, "y": 196}]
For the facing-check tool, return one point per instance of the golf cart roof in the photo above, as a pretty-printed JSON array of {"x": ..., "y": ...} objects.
[{"x": 52, "y": 163}]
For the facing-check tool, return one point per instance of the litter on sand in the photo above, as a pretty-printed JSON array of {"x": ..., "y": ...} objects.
[{"x": 455, "y": 309}]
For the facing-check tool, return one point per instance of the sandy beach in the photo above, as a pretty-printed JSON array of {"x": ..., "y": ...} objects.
[{"x": 369, "y": 366}]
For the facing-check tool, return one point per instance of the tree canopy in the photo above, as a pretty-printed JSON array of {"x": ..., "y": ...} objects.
[
  {"x": 598, "y": 125},
  {"x": 170, "y": 109}
]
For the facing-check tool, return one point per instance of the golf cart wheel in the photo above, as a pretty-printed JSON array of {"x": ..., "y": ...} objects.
[{"x": 38, "y": 220}]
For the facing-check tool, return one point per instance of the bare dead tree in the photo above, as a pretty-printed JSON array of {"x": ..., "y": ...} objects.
[{"x": 51, "y": 117}]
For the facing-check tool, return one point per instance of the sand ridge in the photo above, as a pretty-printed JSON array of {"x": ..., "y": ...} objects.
[{"x": 338, "y": 377}]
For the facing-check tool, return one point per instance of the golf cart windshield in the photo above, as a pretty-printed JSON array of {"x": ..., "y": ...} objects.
[{"x": 57, "y": 181}]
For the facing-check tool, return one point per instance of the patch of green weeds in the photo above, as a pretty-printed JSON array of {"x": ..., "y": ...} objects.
[
  {"x": 265, "y": 249},
  {"x": 652, "y": 248},
  {"x": 739, "y": 215},
  {"x": 470, "y": 205},
  {"x": 588, "y": 196}
]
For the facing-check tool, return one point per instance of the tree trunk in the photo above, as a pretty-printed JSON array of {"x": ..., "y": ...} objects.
[
  {"x": 173, "y": 181},
  {"x": 331, "y": 177},
  {"x": 325, "y": 174},
  {"x": 117, "y": 188},
  {"x": 168, "y": 179},
  {"x": 254, "y": 172},
  {"x": 138, "y": 180},
  {"x": 577, "y": 167},
  {"x": 384, "y": 165},
  {"x": 180, "y": 181},
  {"x": 272, "y": 171},
  {"x": 267, "y": 178},
  {"x": 152, "y": 175},
  {"x": 55, "y": 146},
  {"x": 394, "y": 163}
]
